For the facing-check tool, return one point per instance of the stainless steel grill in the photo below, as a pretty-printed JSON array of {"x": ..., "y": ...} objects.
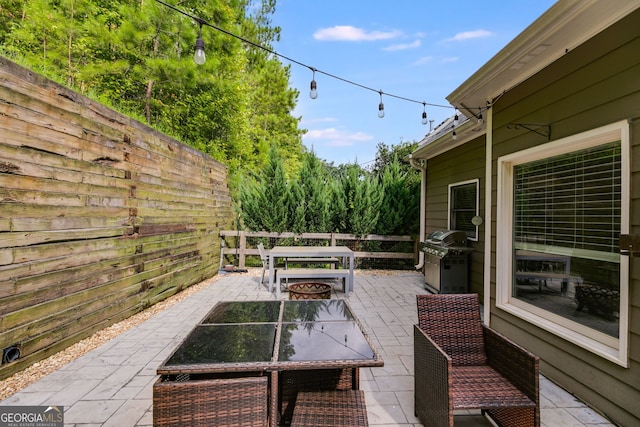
[{"x": 446, "y": 269}]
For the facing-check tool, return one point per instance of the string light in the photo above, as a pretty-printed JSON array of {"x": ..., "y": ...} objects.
[
  {"x": 200, "y": 58},
  {"x": 424, "y": 113},
  {"x": 455, "y": 118},
  {"x": 313, "y": 93}
]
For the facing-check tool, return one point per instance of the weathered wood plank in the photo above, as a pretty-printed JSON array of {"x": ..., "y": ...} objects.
[
  {"x": 85, "y": 301},
  {"x": 22, "y": 160},
  {"x": 101, "y": 216},
  {"x": 28, "y": 238},
  {"x": 31, "y": 283}
]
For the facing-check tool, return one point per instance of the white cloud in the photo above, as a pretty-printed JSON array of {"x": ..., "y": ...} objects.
[
  {"x": 403, "y": 46},
  {"x": 333, "y": 137},
  {"x": 468, "y": 35},
  {"x": 423, "y": 60},
  {"x": 306, "y": 122},
  {"x": 353, "y": 34}
]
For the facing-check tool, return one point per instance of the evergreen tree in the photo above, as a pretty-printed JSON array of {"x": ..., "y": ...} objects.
[
  {"x": 400, "y": 203},
  {"x": 337, "y": 206},
  {"x": 312, "y": 197},
  {"x": 363, "y": 198},
  {"x": 264, "y": 204}
]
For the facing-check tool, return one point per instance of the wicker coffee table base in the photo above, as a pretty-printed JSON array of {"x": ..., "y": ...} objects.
[{"x": 345, "y": 408}]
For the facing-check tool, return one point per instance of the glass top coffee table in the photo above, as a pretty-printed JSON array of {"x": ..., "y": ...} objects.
[
  {"x": 279, "y": 339},
  {"x": 273, "y": 335}
]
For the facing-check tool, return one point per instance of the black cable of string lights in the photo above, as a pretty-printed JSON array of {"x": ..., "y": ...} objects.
[{"x": 201, "y": 22}]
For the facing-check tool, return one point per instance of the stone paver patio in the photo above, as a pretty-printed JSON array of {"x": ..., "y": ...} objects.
[{"x": 112, "y": 385}]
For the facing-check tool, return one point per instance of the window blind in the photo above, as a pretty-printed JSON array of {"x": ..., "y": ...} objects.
[
  {"x": 463, "y": 207},
  {"x": 572, "y": 200}
]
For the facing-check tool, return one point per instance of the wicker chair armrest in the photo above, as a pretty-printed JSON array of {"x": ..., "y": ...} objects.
[
  {"x": 432, "y": 375},
  {"x": 515, "y": 363}
]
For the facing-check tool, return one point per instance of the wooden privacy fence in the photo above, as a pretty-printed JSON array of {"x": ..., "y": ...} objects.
[
  {"x": 371, "y": 251},
  {"x": 100, "y": 217}
]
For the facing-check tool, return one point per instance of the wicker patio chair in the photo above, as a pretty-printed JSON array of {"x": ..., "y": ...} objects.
[
  {"x": 462, "y": 364},
  {"x": 231, "y": 402}
]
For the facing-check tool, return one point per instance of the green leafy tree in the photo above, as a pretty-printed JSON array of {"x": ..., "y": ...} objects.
[
  {"x": 53, "y": 36},
  {"x": 386, "y": 155},
  {"x": 271, "y": 98},
  {"x": 136, "y": 56},
  {"x": 11, "y": 12}
]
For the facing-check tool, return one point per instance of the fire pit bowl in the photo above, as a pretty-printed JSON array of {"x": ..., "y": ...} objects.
[{"x": 309, "y": 290}]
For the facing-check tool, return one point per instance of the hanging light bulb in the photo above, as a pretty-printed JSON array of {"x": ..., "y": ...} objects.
[
  {"x": 381, "y": 107},
  {"x": 480, "y": 119},
  {"x": 454, "y": 136},
  {"x": 424, "y": 113},
  {"x": 313, "y": 93},
  {"x": 455, "y": 118},
  {"x": 198, "y": 56}
]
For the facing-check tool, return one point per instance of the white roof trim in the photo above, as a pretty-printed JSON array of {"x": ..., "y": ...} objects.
[{"x": 563, "y": 27}]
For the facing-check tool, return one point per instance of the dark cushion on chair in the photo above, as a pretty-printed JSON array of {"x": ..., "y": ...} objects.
[{"x": 490, "y": 389}]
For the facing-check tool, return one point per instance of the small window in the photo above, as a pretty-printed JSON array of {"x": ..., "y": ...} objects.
[{"x": 463, "y": 206}]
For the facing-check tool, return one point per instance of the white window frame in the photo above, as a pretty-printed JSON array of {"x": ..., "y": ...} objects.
[
  {"x": 450, "y": 204},
  {"x": 610, "y": 348}
]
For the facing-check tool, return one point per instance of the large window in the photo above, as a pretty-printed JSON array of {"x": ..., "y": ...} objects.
[
  {"x": 563, "y": 206},
  {"x": 463, "y": 206}
]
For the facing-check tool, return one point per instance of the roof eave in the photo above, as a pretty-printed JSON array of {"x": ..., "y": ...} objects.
[
  {"x": 467, "y": 131},
  {"x": 564, "y": 26}
]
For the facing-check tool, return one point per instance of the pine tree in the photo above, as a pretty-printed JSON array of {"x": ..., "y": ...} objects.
[
  {"x": 313, "y": 196},
  {"x": 363, "y": 198},
  {"x": 400, "y": 201},
  {"x": 264, "y": 204}
]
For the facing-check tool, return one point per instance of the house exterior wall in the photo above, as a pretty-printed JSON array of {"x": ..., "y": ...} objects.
[
  {"x": 461, "y": 164},
  {"x": 594, "y": 85}
]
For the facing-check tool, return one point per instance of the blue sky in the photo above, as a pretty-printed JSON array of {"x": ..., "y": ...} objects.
[{"x": 420, "y": 50}]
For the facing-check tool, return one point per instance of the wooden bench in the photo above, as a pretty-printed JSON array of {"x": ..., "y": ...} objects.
[
  {"x": 306, "y": 261},
  {"x": 330, "y": 408},
  {"x": 313, "y": 273}
]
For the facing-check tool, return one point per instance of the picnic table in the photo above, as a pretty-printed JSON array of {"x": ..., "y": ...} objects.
[{"x": 328, "y": 252}]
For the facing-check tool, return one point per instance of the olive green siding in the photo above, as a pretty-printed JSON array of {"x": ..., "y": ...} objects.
[
  {"x": 463, "y": 163},
  {"x": 596, "y": 84}
]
